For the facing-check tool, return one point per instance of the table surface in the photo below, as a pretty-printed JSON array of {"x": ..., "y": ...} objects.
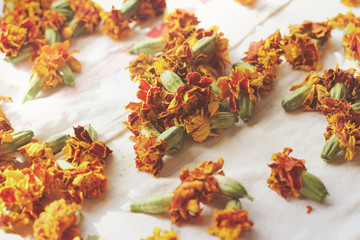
[{"x": 103, "y": 88}]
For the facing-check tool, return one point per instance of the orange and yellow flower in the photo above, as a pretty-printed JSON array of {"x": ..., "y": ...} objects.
[
  {"x": 246, "y": 2},
  {"x": 197, "y": 186},
  {"x": 58, "y": 221},
  {"x": 139, "y": 67},
  {"x": 149, "y": 9},
  {"x": 35, "y": 152},
  {"x": 166, "y": 235},
  {"x": 320, "y": 31},
  {"x": 230, "y": 223},
  {"x": 12, "y": 38},
  {"x": 114, "y": 25},
  {"x": 52, "y": 19},
  {"x": 350, "y": 3},
  {"x": 285, "y": 176}
]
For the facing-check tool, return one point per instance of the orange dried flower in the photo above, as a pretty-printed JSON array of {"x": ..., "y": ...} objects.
[
  {"x": 87, "y": 14},
  {"x": 344, "y": 122},
  {"x": 114, "y": 25},
  {"x": 179, "y": 25},
  {"x": 57, "y": 219},
  {"x": 12, "y": 38},
  {"x": 246, "y": 2},
  {"x": 341, "y": 20},
  {"x": 301, "y": 52},
  {"x": 197, "y": 186},
  {"x": 35, "y": 152},
  {"x": 139, "y": 67},
  {"x": 265, "y": 53},
  {"x": 149, "y": 9},
  {"x": 5, "y": 124},
  {"x": 351, "y": 45},
  {"x": 52, "y": 19},
  {"x": 149, "y": 153},
  {"x": 285, "y": 176},
  {"x": 229, "y": 223},
  {"x": 315, "y": 30},
  {"x": 166, "y": 235},
  {"x": 50, "y": 61},
  {"x": 81, "y": 148},
  {"x": 350, "y": 3}
]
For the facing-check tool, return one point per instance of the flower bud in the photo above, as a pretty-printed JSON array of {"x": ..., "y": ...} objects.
[
  {"x": 172, "y": 136},
  {"x": 19, "y": 139},
  {"x": 231, "y": 187},
  {"x": 245, "y": 106},
  {"x": 148, "y": 46},
  {"x": 312, "y": 187},
  {"x": 338, "y": 91},
  {"x": 295, "y": 98},
  {"x": 331, "y": 149},
  {"x": 204, "y": 46},
  {"x": 57, "y": 143},
  {"x": 129, "y": 8},
  {"x": 171, "y": 81},
  {"x": 153, "y": 204},
  {"x": 34, "y": 87},
  {"x": 223, "y": 120}
]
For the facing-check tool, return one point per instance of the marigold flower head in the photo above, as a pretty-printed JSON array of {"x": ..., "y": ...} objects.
[
  {"x": 197, "y": 186},
  {"x": 52, "y": 19},
  {"x": 179, "y": 25},
  {"x": 316, "y": 30},
  {"x": 351, "y": 45},
  {"x": 139, "y": 67},
  {"x": 344, "y": 123},
  {"x": 149, "y": 9},
  {"x": 149, "y": 153},
  {"x": 229, "y": 223},
  {"x": 114, "y": 25},
  {"x": 350, "y": 3},
  {"x": 51, "y": 60},
  {"x": 285, "y": 176},
  {"x": 87, "y": 14},
  {"x": 246, "y": 2},
  {"x": 36, "y": 152},
  {"x": 57, "y": 219},
  {"x": 301, "y": 52},
  {"x": 265, "y": 53},
  {"x": 341, "y": 20},
  {"x": 12, "y": 38},
  {"x": 5, "y": 124},
  {"x": 81, "y": 148},
  {"x": 166, "y": 235}
]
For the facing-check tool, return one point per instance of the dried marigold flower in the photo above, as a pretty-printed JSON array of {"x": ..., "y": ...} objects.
[
  {"x": 12, "y": 39},
  {"x": 341, "y": 20},
  {"x": 57, "y": 219},
  {"x": 289, "y": 177},
  {"x": 166, "y": 235},
  {"x": 230, "y": 223},
  {"x": 246, "y": 2},
  {"x": 5, "y": 124},
  {"x": 197, "y": 186},
  {"x": 52, "y": 19},
  {"x": 149, "y": 9},
  {"x": 350, "y": 3},
  {"x": 320, "y": 31},
  {"x": 301, "y": 52},
  {"x": 138, "y": 67},
  {"x": 265, "y": 53},
  {"x": 82, "y": 148},
  {"x": 344, "y": 125},
  {"x": 115, "y": 25}
]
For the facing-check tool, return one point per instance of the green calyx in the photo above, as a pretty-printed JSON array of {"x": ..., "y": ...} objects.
[
  {"x": 312, "y": 187},
  {"x": 245, "y": 106},
  {"x": 331, "y": 149},
  {"x": 223, "y": 120},
  {"x": 52, "y": 36},
  {"x": 153, "y": 204},
  {"x": 171, "y": 81},
  {"x": 129, "y": 8},
  {"x": 295, "y": 99},
  {"x": 63, "y": 7},
  {"x": 204, "y": 46},
  {"x": 33, "y": 88},
  {"x": 338, "y": 91},
  {"x": 224, "y": 106},
  {"x": 231, "y": 187},
  {"x": 25, "y": 53},
  {"x": 148, "y": 46},
  {"x": 244, "y": 65},
  {"x": 235, "y": 203},
  {"x": 20, "y": 138},
  {"x": 67, "y": 75},
  {"x": 92, "y": 132},
  {"x": 77, "y": 31},
  {"x": 172, "y": 136},
  {"x": 356, "y": 106},
  {"x": 57, "y": 143}
]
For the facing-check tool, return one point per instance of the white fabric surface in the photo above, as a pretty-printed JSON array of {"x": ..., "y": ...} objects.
[{"x": 104, "y": 88}]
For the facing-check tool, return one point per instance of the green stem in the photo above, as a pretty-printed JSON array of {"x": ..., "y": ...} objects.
[
  {"x": 231, "y": 187},
  {"x": 34, "y": 87},
  {"x": 338, "y": 91},
  {"x": 153, "y": 204},
  {"x": 129, "y": 8},
  {"x": 67, "y": 75},
  {"x": 245, "y": 106},
  {"x": 312, "y": 187},
  {"x": 223, "y": 120},
  {"x": 172, "y": 136},
  {"x": 57, "y": 143},
  {"x": 20, "y": 138},
  {"x": 148, "y": 46},
  {"x": 295, "y": 99},
  {"x": 25, "y": 53}
]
